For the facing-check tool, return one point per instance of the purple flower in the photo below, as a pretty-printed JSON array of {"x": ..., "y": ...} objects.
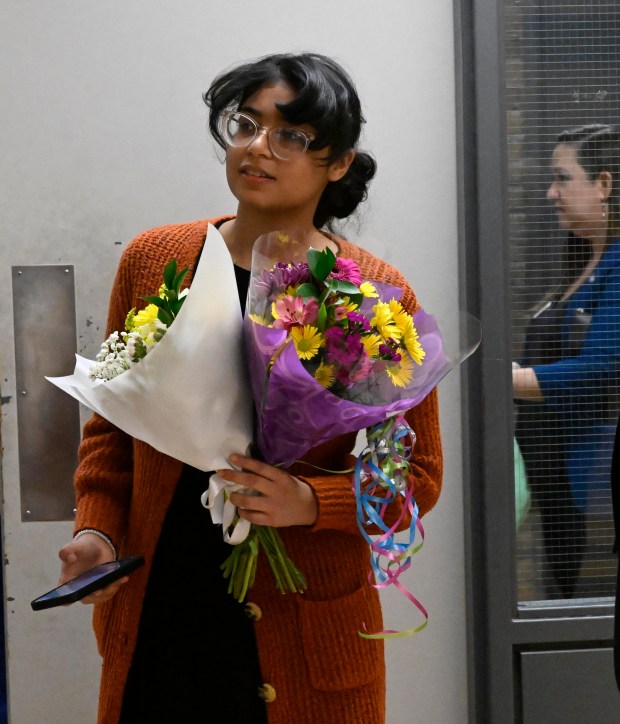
[
  {"x": 358, "y": 321},
  {"x": 272, "y": 283},
  {"x": 389, "y": 351}
]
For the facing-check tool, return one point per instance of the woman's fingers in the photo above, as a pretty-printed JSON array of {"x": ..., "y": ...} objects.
[
  {"x": 282, "y": 500},
  {"x": 104, "y": 594}
]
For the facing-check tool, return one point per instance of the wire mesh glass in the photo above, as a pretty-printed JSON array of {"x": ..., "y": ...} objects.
[{"x": 562, "y": 71}]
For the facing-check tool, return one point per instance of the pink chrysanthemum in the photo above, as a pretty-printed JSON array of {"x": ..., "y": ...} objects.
[{"x": 347, "y": 270}]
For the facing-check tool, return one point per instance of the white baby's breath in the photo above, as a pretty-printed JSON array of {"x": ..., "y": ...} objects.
[{"x": 122, "y": 350}]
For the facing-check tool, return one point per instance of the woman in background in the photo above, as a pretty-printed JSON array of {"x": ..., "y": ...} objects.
[
  {"x": 175, "y": 645},
  {"x": 568, "y": 380}
]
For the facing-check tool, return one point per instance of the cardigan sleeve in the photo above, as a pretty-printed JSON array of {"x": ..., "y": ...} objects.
[
  {"x": 104, "y": 476},
  {"x": 334, "y": 493}
]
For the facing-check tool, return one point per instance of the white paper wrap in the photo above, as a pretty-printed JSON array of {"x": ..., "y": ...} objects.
[{"x": 190, "y": 397}]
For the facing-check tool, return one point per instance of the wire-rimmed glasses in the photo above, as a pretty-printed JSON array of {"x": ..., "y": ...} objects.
[{"x": 286, "y": 142}]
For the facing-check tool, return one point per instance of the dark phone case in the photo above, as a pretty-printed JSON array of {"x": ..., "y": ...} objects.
[{"x": 110, "y": 572}]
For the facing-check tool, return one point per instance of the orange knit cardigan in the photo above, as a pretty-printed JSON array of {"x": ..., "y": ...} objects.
[{"x": 309, "y": 650}]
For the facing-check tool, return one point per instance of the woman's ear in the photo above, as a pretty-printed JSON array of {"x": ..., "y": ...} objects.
[
  {"x": 605, "y": 181},
  {"x": 338, "y": 168}
]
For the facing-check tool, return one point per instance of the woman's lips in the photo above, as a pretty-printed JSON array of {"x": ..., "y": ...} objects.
[{"x": 256, "y": 173}]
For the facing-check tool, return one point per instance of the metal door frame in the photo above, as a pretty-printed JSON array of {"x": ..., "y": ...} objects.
[{"x": 497, "y": 633}]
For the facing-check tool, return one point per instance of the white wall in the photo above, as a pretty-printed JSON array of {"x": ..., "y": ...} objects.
[{"x": 103, "y": 135}]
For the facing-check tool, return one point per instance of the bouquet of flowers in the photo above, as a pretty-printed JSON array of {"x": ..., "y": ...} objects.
[
  {"x": 157, "y": 368},
  {"x": 143, "y": 329},
  {"x": 351, "y": 357}
]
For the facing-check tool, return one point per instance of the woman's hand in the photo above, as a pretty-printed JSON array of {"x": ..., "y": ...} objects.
[
  {"x": 525, "y": 383},
  {"x": 279, "y": 499},
  {"x": 82, "y": 554}
]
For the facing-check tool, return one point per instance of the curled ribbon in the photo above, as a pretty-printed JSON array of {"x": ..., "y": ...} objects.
[{"x": 380, "y": 478}]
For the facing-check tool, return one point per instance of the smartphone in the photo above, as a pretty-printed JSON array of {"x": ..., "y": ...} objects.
[{"x": 87, "y": 582}]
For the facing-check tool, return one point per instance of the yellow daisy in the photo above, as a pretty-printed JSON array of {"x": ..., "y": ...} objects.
[
  {"x": 368, "y": 290},
  {"x": 383, "y": 321},
  {"x": 307, "y": 341},
  {"x": 259, "y": 320},
  {"x": 401, "y": 318},
  {"x": 412, "y": 342},
  {"x": 400, "y": 373},
  {"x": 324, "y": 375},
  {"x": 371, "y": 344}
]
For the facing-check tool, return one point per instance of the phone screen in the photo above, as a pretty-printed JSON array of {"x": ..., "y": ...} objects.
[{"x": 84, "y": 579}]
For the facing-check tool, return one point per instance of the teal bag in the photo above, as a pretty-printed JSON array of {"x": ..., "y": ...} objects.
[{"x": 522, "y": 490}]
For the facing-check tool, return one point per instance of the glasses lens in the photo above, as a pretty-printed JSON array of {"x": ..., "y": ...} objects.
[
  {"x": 239, "y": 130},
  {"x": 287, "y": 143}
]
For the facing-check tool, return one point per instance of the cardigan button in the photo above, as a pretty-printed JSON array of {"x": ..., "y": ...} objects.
[
  {"x": 253, "y": 612},
  {"x": 267, "y": 693}
]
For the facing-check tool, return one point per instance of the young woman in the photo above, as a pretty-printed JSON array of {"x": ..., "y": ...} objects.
[
  {"x": 568, "y": 383},
  {"x": 175, "y": 645}
]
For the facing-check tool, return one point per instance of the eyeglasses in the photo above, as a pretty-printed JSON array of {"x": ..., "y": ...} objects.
[{"x": 285, "y": 142}]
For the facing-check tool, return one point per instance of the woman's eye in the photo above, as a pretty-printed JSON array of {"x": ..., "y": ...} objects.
[
  {"x": 245, "y": 128},
  {"x": 291, "y": 137}
]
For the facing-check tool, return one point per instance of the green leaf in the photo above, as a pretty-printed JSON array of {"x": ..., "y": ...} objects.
[
  {"x": 329, "y": 289},
  {"x": 321, "y": 320},
  {"x": 356, "y": 299},
  {"x": 321, "y": 263},
  {"x": 157, "y": 301},
  {"x": 170, "y": 271},
  {"x": 307, "y": 290},
  {"x": 178, "y": 280},
  {"x": 164, "y": 316},
  {"x": 176, "y": 307},
  {"x": 347, "y": 288}
]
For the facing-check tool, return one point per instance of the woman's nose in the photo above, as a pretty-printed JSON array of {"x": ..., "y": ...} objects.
[
  {"x": 260, "y": 143},
  {"x": 552, "y": 192}
]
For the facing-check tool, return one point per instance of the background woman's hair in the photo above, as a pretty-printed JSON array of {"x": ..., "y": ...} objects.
[{"x": 326, "y": 99}]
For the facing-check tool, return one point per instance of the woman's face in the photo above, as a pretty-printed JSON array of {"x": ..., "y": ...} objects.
[
  {"x": 263, "y": 183},
  {"x": 579, "y": 201}
]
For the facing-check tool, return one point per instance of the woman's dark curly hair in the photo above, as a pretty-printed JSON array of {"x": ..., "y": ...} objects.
[{"x": 326, "y": 99}]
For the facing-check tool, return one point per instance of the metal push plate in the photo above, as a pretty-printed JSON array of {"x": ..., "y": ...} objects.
[{"x": 48, "y": 420}]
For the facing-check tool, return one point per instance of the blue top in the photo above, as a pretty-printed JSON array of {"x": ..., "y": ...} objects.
[{"x": 583, "y": 387}]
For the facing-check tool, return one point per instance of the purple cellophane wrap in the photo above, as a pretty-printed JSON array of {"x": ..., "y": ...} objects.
[{"x": 296, "y": 413}]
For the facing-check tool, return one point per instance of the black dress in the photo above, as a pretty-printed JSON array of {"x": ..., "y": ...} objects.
[{"x": 196, "y": 658}]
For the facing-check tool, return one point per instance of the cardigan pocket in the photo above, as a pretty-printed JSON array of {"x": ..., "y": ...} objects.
[{"x": 336, "y": 656}]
